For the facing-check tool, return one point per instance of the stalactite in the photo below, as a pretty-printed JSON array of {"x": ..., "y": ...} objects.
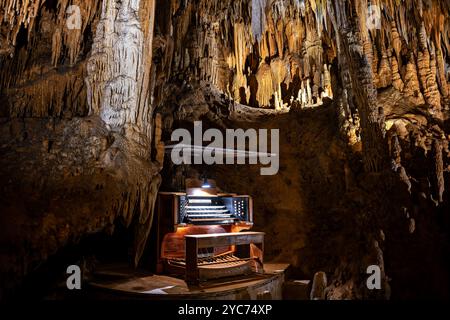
[
  {"x": 309, "y": 100},
  {"x": 411, "y": 81},
  {"x": 442, "y": 80},
  {"x": 311, "y": 20},
  {"x": 271, "y": 36},
  {"x": 255, "y": 50},
  {"x": 279, "y": 71},
  {"x": 265, "y": 85},
  {"x": 56, "y": 95},
  {"x": 65, "y": 39},
  {"x": 397, "y": 81}
]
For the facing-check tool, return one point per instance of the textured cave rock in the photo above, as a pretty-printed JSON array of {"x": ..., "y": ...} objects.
[
  {"x": 363, "y": 113},
  {"x": 77, "y": 128},
  {"x": 237, "y": 41},
  {"x": 385, "y": 83},
  {"x": 73, "y": 178}
]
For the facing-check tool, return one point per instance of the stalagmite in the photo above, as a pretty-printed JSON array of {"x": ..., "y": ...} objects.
[
  {"x": 396, "y": 149},
  {"x": 328, "y": 92},
  {"x": 240, "y": 35},
  {"x": 280, "y": 38},
  {"x": 438, "y": 170},
  {"x": 316, "y": 85},
  {"x": 56, "y": 47},
  {"x": 227, "y": 31},
  {"x": 116, "y": 64},
  {"x": 304, "y": 95},
  {"x": 271, "y": 37},
  {"x": 59, "y": 96},
  {"x": 70, "y": 33},
  {"x": 309, "y": 97}
]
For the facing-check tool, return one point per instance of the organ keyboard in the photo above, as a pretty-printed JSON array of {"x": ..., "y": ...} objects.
[{"x": 198, "y": 235}]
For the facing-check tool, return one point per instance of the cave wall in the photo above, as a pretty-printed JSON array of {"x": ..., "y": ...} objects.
[{"x": 77, "y": 125}]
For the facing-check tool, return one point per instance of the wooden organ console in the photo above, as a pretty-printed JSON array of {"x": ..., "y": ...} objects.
[{"x": 203, "y": 235}]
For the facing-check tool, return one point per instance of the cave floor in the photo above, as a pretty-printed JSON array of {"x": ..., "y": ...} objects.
[{"x": 118, "y": 282}]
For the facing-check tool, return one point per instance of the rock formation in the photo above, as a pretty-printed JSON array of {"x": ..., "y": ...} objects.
[
  {"x": 80, "y": 120},
  {"x": 90, "y": 92}
]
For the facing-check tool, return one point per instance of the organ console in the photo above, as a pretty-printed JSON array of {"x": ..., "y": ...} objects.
[{"x": 202, "y": 235}]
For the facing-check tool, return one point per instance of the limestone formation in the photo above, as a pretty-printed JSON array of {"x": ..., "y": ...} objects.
[{"x": 46, "y": 99}]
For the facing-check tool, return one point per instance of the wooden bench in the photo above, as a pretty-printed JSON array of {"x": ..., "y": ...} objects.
[{"x": 248, "y": 243}]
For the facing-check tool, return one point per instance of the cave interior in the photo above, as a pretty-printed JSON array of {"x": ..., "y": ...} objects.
[{"x": 358, "y": 92}]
